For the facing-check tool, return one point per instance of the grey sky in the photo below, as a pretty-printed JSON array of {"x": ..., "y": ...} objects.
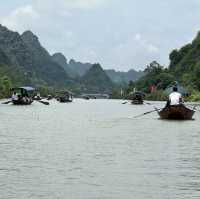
[{"x": 120, "y": 34}]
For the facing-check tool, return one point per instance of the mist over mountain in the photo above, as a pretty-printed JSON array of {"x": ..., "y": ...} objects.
[
  {"x": 124, "y": 77},
  {"x": 79, "y": 69},
  {"x": 73, "y": 68}
]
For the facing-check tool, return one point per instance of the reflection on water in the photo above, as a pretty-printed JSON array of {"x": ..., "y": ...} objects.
[{"x": 96, "y": 150}]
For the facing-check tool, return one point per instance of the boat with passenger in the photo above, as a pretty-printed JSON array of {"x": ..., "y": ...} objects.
[
  {"x": 64, "y": 96},
  {"x": 137, "y": 98},
  {"x": 22, "y": 95},
  {"x": 175, "y": 108},
  {"x": 176, "y": 112}
]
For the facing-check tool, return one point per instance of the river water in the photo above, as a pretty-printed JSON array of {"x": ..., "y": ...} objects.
[{"x": 96, "y": 150}]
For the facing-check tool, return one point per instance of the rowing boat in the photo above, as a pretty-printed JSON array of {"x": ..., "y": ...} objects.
[
  {"x": 136, "y": 97},
  {"x": 137, "y": 102},
  {"x": 176, "y": 112},
  {"x": 24, "y": 95}
]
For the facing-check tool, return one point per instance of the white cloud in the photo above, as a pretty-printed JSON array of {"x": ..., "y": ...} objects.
[
  {"x": 68, "y": 5},
  {"x": 138, "y": 37},
  {"x": 82, "y": 4},
  {"x": 151, "y": 48},
  {"x": 20, "y": 18}
]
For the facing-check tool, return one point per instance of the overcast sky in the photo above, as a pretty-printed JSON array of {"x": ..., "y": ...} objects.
[{"x": 120, "y": 34}]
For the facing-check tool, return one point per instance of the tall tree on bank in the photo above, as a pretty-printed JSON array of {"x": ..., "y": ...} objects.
[{"x": 6, "y": 86}]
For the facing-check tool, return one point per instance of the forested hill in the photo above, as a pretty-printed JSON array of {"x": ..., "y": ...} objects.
[
  {"x": 184, "y": 67},
  {"x": 73, "y": 68},
  {"x": 185, "y": 63},
  {"x": 25, "y": 61},
  {"x": 96, "y": 80}
]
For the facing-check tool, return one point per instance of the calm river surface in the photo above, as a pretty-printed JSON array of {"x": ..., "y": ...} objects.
[{"x": 96, "y": 150}]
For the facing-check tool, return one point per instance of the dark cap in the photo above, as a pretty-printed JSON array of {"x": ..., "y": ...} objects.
[{"x": 175, "y": 89}]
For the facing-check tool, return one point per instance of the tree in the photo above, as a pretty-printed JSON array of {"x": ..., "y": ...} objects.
[{"x": 6, "y": 86}]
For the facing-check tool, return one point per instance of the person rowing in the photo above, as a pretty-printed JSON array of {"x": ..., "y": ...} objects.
[
  {"x": 175, "y": 98},
  {"x": 14, "y": 96}
]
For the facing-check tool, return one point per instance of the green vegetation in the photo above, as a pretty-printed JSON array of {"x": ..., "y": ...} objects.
[
  {"x": 6, "y": 86},
  {"x": 184, "y": 67},
  {"x": 195, "y": 97}
]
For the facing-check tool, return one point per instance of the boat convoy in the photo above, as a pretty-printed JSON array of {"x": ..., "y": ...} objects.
[
  {"x": 178, "y": 111},
  {"x": 26, "y": 96}
]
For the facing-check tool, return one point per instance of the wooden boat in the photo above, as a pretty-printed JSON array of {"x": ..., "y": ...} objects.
[
  {"x": 137, "y": 98},
  {"x": 22, "y": 102},
  {"x": 65, "y": 96},
  {"x": 86, "y": 97},
  {"x": 23, "y": 95},
  {"x": 49, "y": 97},
  {"x": 137, "y": 102},
  {"x": 37, "y": 97},
  {"x": 176, "y": 112},
  {"x": 64, "y": 99}
]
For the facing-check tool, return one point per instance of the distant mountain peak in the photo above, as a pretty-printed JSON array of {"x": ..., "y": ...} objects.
[
  {"x": 97, "y": 66},
  {"x": 97, "y": 80},
  {"x": 3, "y": 27},
  {"x": 60, "y": 57},
  {"x": 28, "y": 35}
]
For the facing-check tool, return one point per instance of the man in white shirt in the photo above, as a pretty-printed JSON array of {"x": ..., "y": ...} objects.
[{"x": 175, "y": 98}]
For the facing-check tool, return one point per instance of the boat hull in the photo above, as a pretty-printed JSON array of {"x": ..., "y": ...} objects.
[
  {"x": 21, "y": 102},
  {"x": 177, "y": 112},
  {"x": 64, "y": 100},
  {"x": 137, "y": 102}
]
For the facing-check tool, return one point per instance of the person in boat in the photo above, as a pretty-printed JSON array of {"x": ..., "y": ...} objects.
[
  {"x": 175, "y": 98},
  {"x": 15, "y": 96}
]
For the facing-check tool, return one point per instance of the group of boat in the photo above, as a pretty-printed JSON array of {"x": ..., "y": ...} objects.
[
  {"x": 27, "y": 95},
  {"x": 173, "y": 112}
]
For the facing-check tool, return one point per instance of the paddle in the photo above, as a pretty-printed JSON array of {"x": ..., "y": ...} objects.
[
  {"x": 42, "y": 102},
  {"x": 7, "y": 102},
  {"x": 147, "y": 103},
  {"x": 146, "y": 113}
]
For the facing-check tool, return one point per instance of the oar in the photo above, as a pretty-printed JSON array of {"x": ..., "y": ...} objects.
[
  {"x": 7, "y": 102},
  {"x": 147, "y": 103},
  {"x": 146, "y": 113},
  {"x": 42, "y": 102}
]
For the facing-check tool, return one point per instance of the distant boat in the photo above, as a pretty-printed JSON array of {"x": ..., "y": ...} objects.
[
  {"x": 23, "y": 95},
  {"x": 64, "y": 96},
  {"x": 176, "y": 112},
  {"x": 137, "y": 97},
  {"x": 49, "y": 97},
  {"x": 37, "y": 98}
]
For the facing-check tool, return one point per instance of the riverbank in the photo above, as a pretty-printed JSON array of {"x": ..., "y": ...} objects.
[{"x": 161, "y": 96}]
